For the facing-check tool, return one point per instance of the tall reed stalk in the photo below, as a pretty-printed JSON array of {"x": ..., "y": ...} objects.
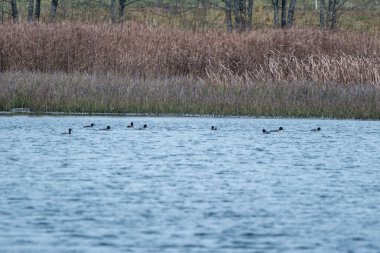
[
  {"x": 77, "y": 92},
  {"x": 295, "y": 55},
  {"x": 76, "y": 67}
]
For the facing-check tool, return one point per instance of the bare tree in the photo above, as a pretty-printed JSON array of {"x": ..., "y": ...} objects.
[
  {"x": 14, "y": 10},
  {"x": 243, "y": 14},
  {"x": 276, "y": 13},
  {"x": 122, "y": 4},
  {"x": 333, "y": 15},
  {"x": 250, "y": 14},
  {"x": 228, "y": 16},
  {"x": 37, "y": 12},
  {"x": 329, "y": 8},
  {"x": 30, "y": 10},
  {"x": 322, "y": 14},
  {"x": 283, "y": 13},
  {"x": 240, "y": 12},
  {"x": 113, "y": 11},
  {"x": 292, "y": 7},
  {"x": 287, "y": 17},
  {"x": 337, "y": 8},
  {"x": 237, "y": 15},
  {"x": 53, "y": 10}
]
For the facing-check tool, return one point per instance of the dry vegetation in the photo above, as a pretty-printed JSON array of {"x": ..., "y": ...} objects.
[
  {"x": 109, "y": 93},
  {"x": 135, "y": 68}
]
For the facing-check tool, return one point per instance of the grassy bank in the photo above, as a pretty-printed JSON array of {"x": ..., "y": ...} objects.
[{"x": 77, "y": 92}]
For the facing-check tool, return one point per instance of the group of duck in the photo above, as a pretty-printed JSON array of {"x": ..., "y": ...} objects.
[
  {"x": 280, "y": 129},
  {"x": 107, "y": 128},
  {"x": 213, "y": 128}
]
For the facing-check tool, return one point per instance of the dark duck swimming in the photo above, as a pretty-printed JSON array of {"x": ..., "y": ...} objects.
[
  {"x": 69, "y": 132},
  {"x": 280, "y": 129}
]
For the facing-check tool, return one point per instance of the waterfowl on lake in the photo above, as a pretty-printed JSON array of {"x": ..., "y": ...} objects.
[
  {"x": 279, "y": 130},
  {"x": 130, "y": 125},
  {"x": 105, "y": 129},
  {"x": 92, "y": 124},
  {"x": 214, "y": 128},
  {"x": 145, "y": 126},
  {"x": 265, "y": 131},
  {"x": 316, "y": 129},
  {"x": 69, "y": 132}
]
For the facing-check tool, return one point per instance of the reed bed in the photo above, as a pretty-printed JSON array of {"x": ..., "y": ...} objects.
[
  {"x": 293, "y": 55},
  {"x": 133, "y": 68},
  {"x": 78, "y": 92}
]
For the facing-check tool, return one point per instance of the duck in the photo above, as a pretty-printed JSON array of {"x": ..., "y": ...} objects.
[
  {"x": 69, "y": 132},
  {"x": 92, "y": 124},
  {"x": 144, "y": 127},
  {"x": 266, "y": 132},
  {"x": 214, "y": 128},
  {"x": 130, "y": 125},
  {"x": 106, "y": 129},
  {"x": 276, "y": 131},
  {"x": 316, "y": 129}
]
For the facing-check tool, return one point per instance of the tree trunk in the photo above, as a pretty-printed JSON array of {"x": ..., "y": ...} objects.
[
  {"x": 276, "y": 13},
  {"x": 122, "y": 4},
  {"x": 283, "y": 13},
  {"x": 250, "y": 14},
  {"x": 329, "y": 11},
  {"x": 14, "y": 10},
  {"x": 53, "y": 10},
  {"x": 37, "y": 12},
  {"x": 113, "y": 11},
  {"x": 292, "y": 7},
  {"x": 322, "y": 14},
  {"x": 228, "y": 16},
  {"x": 333, "y": 15},
  {"x": 30, "y": 10},
  {"x": 330, "y": 5},
  {"x": 243, "y": 15},
  {"x": 237, "y": 15}
]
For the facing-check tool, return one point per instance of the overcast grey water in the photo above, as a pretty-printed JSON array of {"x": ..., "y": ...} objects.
[{"x": 179, "y": 187}]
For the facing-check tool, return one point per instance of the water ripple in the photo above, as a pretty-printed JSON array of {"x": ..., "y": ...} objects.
[{"x": 179, "y": 187}]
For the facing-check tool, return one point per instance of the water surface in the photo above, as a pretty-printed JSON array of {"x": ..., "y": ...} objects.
[{"x": 180, "y": 187}]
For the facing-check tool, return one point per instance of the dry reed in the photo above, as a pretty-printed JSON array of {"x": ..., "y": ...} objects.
[
  {"x": 134, "y": 68},
  {"x": 294, "y": 55},
  {"x": 76, "y": 92}
]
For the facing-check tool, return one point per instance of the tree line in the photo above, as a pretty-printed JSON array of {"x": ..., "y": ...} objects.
[
  {"x": 328, "y": 12},
  {"x": 238, "y": 13}
]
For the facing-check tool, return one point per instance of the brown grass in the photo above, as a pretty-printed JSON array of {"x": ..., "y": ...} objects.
[
  {"x": 77, "y": 92},
  {"x": 295, "y": 55}
]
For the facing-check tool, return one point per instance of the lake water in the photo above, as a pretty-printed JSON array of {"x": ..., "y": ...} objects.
[{"x": 179, "y": 187}]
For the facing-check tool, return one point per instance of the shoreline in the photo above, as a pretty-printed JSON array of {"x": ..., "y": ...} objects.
[{"x": 167, "y": 115}]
